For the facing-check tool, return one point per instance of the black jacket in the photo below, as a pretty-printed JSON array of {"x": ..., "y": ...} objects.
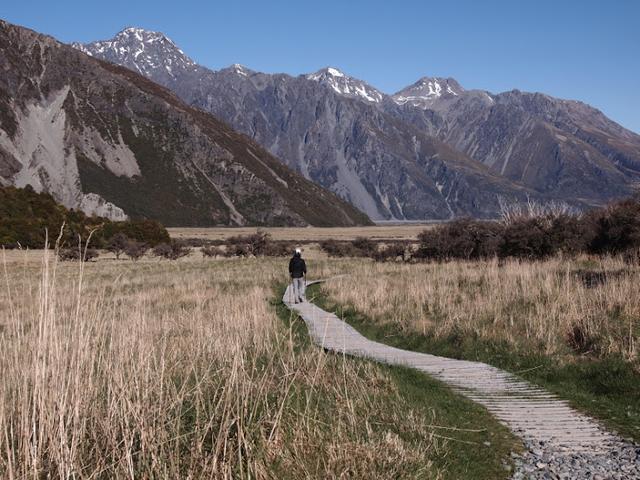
[{"x": 297, "y": 267}]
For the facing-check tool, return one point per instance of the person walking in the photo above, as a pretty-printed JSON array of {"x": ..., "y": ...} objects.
[{"x": 298, "y": 272}]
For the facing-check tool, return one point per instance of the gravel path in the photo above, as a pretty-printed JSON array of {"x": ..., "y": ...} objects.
[{"x": 561, "y": 442}]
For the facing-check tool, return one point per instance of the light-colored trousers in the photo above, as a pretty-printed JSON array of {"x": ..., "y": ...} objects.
[{"x": 299, "y": 285}]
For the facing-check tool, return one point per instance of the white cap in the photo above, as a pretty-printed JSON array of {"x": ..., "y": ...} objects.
[{"x": 298, "y": 250}]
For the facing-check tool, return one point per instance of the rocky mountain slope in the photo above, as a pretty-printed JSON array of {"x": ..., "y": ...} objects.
[
  {"x": 560, "y": 148},
  {"x": 104, "y": 139},
  {"x": 433, "y": 150},
  {"x": 330, "y": 128}
]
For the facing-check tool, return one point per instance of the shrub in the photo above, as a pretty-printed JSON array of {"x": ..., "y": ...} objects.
[
  {"x": 365, "y": 246},
  {"x": 390, "y": 252},
  {"x": 135, "y": 250},
  {"x": 75, "y": 253},
  {"x": 27, "y": 216},
  {"x": 148, "y": 231},
  {"x": 616, "y": 228},
  {"x": 360, "y": 247},
  {"x": 257, "y": 244},
  {"x": 335, "y": 248},
  {"x": 526, "y": 238},
  {"x": 171, "y": 251},
  {"x": 118, "y": 244},
  {"x": 465, "y": 238},
  {"x": 212, "y": 251},
  {"x": 278, "y": 249},
  {"x": 568, "y": 234},
  {"x": 253, "y": 244}
]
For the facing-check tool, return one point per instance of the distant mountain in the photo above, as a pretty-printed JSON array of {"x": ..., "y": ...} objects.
[
  {"x": 345, "y": 85},
  {"x": 426, "y": 91},
  {"x": 106, "y": 140},
  {"x": 333, "y": 129},
  {"x": 433, "y": 150},
  {"x": 562, "y": 149}
]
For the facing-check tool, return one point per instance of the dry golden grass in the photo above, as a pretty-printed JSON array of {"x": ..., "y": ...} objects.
[
  {"x": 530, "y": 306},
  {"x": 155, "y": 369},
  {"x": 310, "y": 234}
]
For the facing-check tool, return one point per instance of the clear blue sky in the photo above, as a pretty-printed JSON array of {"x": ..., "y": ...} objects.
[{"x": 579, "y": 49}]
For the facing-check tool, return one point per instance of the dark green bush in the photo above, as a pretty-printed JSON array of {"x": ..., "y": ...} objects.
[
  {"x": 135, "y": 249},
  {"x": 257, "y": 244},
  {"x": 26, "y": 217},
  {"x": 75, "y": 253},
  {"x": 610, "y": 230},
  {"x": 390, "y": 252},
  {"x": 360, "y": 247},
  {"x": 171, "y": 251},
  {"x": 465, "y": 238},
  {"x": 616, "y": 228}
]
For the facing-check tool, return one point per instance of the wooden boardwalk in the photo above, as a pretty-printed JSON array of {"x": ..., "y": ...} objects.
[{"x": 529, "y": 411}]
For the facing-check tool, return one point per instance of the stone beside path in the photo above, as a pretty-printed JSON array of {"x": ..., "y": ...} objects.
[{"x": 562, "y": 443}]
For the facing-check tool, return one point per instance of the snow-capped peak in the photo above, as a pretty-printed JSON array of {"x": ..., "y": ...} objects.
[
  {"x": 141, "y": 50},
  {"x": 427, "y": 90},
  {"x": 239, "y": 69},
  {"x": 346, "y": 85}
]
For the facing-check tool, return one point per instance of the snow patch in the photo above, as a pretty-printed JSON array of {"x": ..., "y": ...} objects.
[{"x": 239, "y": 69}]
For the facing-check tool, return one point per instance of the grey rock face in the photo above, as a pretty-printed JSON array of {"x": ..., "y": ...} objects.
[
  {"x": 104, "y": 139},
  {"x": 426, "y": 91},
  {"x": 431, "y": 151},
  {"x": 346, "y": 86},
  {"x": 562, "y": 149},
  {"x": 148, "y": 53}
]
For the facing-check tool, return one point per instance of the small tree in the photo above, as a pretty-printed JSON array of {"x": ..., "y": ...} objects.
[
  {"x": 135, "y": 250},
  {"x": 76, "y": 253},
  {"x": 171, "y": 251},
  {"x": 118, "y": 244},
  {"x": 365, "y": 246},
  {"x": 254, "y": 244}
]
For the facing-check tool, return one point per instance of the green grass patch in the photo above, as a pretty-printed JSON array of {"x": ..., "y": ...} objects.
[
  {"x": 472, "y": 443},
  {"x": 606, "y": 388}
]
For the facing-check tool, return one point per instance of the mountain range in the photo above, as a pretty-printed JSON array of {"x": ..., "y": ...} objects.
[
  {"x": 106, "y": 140},
  {"x": 433, "y": 150}
]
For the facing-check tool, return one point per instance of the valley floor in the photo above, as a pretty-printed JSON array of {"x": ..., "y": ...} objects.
[{"x": 192, "y": 368}]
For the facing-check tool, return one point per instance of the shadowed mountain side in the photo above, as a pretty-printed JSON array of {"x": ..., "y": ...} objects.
[{"x": 108, "y": 141}]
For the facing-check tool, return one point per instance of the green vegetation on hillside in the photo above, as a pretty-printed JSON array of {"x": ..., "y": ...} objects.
[{"x": 26, "y": 217}]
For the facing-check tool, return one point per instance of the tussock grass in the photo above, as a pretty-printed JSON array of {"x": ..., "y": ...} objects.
[
  {"x": 151, "y": 369},
  {"x": 572, "y": 326},
  {"x": 527, "y": 305}
]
